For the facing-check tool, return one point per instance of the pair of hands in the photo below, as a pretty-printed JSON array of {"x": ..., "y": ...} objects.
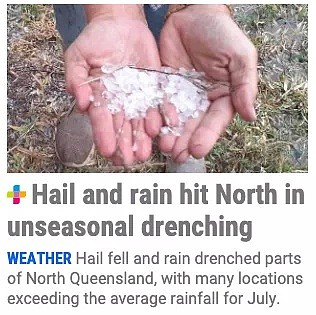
[{"x": 203, "y": 37}]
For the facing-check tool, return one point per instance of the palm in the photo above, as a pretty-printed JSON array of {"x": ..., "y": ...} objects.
[{"x": 120, "y": 42}]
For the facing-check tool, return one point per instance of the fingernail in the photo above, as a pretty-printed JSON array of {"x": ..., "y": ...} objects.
[{"x": 253, "y": 113}]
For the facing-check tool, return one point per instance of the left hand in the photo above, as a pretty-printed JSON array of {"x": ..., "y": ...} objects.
[
  {"x": 116, "y": 41},
  {"x": 205, "y": 37}
]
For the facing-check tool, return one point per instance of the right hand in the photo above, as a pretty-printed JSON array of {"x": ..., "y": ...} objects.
[
  {"x": 206, "y": 38},
  {"x": 118, "y": 41}
]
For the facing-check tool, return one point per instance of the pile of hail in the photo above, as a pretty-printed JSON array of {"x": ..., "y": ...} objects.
[{"x": 134, "y": 90}]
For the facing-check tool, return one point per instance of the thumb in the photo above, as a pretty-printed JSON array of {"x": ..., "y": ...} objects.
[
  {"x": 77, "y": 71},
  {"x": 244, "y": 80}
]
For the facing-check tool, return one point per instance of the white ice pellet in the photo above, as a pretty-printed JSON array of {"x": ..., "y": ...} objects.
[
  {"x": 176, "y": 131},
  {"x": 134, "y": 91},
  {"x": 195, "y": 114},
  {"x": 134, "y": 148},
  {"x": 182, "y": 118},
  {"x": 164, "y": 130},
  {"x": 109, "y": 68},
  {"x": 167, "y": 70}
]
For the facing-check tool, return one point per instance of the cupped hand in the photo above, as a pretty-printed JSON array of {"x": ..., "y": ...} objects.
[
  {"x": 205, "y": 37},
  {"x": 117, "y": 41}
]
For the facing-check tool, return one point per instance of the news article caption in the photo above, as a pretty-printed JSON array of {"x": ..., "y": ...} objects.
[
  {"x": 195, "y": 194},
  {"x": 234, "y": 278}
]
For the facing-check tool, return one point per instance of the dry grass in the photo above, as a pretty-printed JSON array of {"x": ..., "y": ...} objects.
[{"x": 276, "y": 142}]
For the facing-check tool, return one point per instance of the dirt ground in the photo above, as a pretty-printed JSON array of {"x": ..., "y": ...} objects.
[{"x": 276, "y": 142}]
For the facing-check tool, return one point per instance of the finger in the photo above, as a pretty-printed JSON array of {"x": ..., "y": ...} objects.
[
  {"x": 244, "y": 80},
  {"x": 102, "y": 126},
  {"x": 166, "y": 143},
  {"x": 141, "y": 140},
  {"x": 153, "y": 122},
  {"x": 218, "y": 90},
  {"x": 180, "y": 151},
  {"x": 214, "y": 122},
  {"x": 169, "y": 115},
  {"x": 117, "y": 160},
  {"x": 76, "y": 74},
  {"x": 170, "y": 118},
  {"x": 124, "y": 154},
  {"x": 118, "y": 122}
]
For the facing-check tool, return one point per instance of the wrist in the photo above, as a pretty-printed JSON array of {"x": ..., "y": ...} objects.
[
  {"x": 110, "y": 11},
  {"x": 200, "y": 9},
  {"x": 216, "y": 8}
]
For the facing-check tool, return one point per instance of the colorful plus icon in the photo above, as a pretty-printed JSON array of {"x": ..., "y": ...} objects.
[{"x": 16, "y": 194}]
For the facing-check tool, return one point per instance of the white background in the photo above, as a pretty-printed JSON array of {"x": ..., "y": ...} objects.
[{"x": 278, "y": 229}]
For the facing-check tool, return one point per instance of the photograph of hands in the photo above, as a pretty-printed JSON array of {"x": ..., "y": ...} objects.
[{"x": 157, "y": 88}]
